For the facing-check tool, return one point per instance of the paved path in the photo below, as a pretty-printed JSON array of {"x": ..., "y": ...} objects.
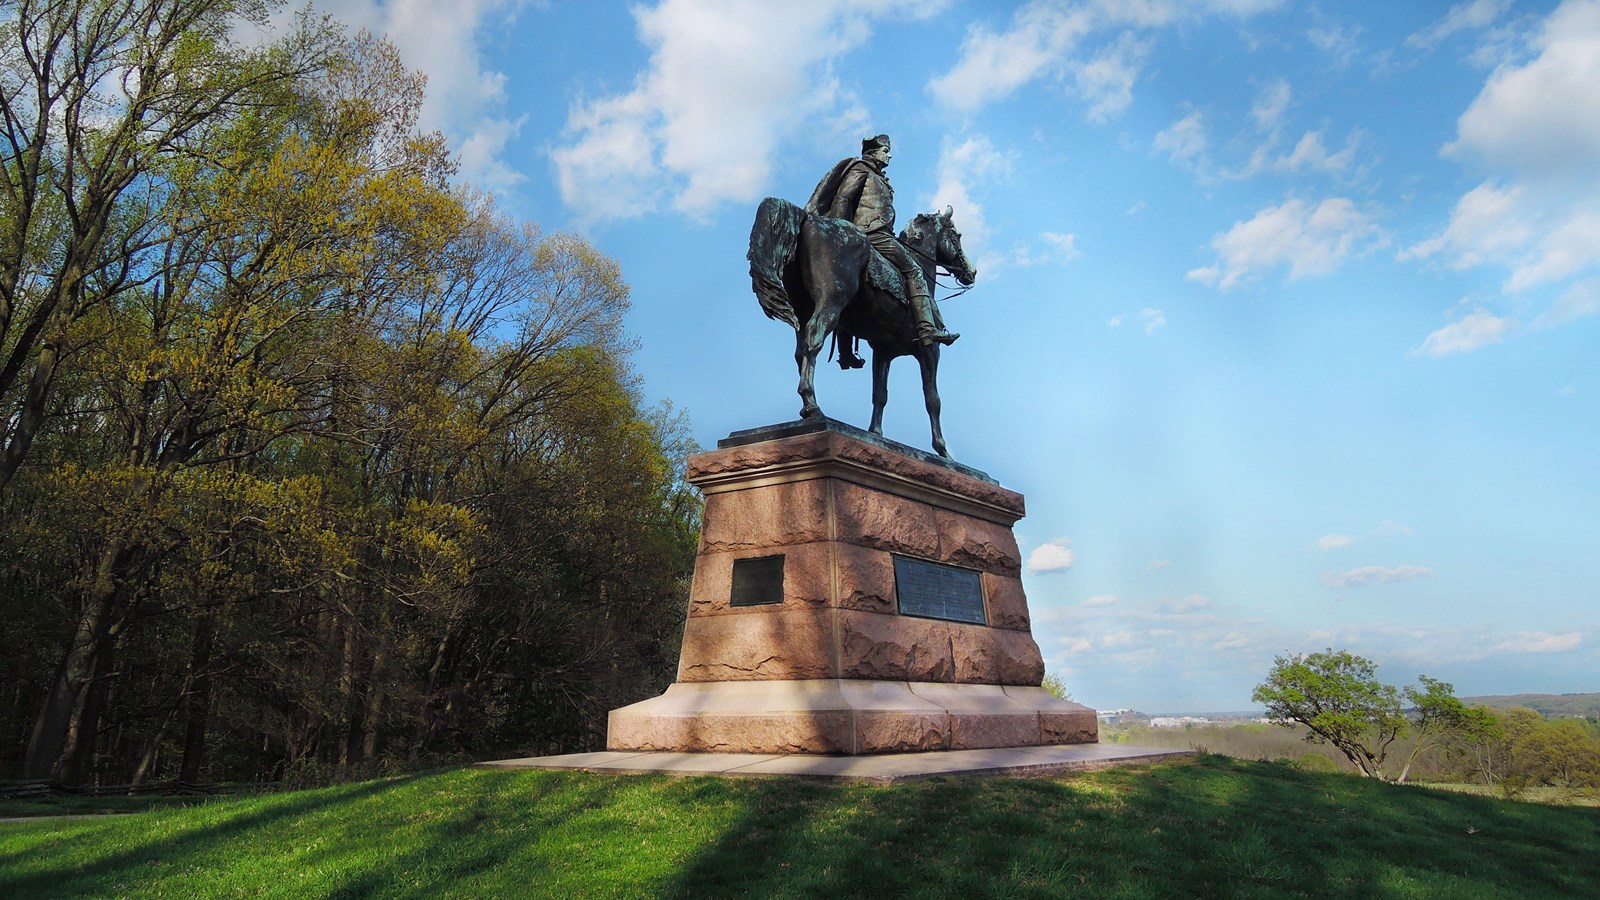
[{"x": 881, "y": 768}]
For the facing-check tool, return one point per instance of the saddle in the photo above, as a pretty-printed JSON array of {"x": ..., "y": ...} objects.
[{"x": 881, "y": 273}]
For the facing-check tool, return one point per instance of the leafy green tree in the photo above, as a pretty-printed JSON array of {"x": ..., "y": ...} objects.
[
  {"x": 1336, "y": 695},
  {"x": 1057, "y": 686},
  {"x": 1439, "y": 718}
]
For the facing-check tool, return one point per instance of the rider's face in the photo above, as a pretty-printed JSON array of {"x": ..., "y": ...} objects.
[{"x": 880, "y": 155}]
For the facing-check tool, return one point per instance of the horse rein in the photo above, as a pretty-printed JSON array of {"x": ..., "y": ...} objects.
[{"x": 935, "y": 262}]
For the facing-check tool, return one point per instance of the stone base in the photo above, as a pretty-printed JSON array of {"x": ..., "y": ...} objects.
[{"x": 847, "y": 717}]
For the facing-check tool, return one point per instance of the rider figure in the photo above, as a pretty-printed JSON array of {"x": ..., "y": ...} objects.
[{"x": 857, "y": 191}]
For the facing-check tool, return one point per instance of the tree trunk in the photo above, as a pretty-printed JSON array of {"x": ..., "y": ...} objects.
[
  {"x": 197, "y": 701},
  {"x": 84, "y": 730},
  {"x": 66, "y": 689}
]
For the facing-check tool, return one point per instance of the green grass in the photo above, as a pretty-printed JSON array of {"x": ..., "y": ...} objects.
[{"x": 1211, "y": 827}]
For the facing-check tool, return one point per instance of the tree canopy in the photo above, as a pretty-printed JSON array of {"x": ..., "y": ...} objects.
[{"x": 308, "y": 455}]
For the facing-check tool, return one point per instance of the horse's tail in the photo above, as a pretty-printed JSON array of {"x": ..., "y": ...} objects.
[{"x": 773, "y": 240}]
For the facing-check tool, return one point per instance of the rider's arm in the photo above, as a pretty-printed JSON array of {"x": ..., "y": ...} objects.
[{"x": 849, "y": 194}]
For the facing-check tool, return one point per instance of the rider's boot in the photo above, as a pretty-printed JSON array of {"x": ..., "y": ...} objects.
[
  {"x": 848, "y": 359},
  {"x": 928, "y": 332}
]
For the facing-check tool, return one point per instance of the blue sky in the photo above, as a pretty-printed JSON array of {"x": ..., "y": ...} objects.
[{"x": 1286, "y": 323}]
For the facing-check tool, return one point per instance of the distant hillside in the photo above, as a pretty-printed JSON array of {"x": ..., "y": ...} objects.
[{"x": 1547, "y": 704}]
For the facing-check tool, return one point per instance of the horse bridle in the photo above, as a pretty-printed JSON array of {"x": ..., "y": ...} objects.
[{"x": 935, "y": 263}]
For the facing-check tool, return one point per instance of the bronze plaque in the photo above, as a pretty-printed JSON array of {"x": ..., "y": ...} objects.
[
  {"x": 936, "y": 591},
  {"x": 757, "y": 581}
]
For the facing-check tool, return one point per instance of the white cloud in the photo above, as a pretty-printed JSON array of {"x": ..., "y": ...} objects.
[
  {"x": 1579, "y": 300},
  {"x": 1479, "y": 328},
  {"x": 1053, "y": 556},
  {"x": 1333, "y": 541},
  {"x": 1485, "y": 224},
  {"x": 727, "y": 83},
  {"x": 1310, "y": 240},
  {"x": 1310, "y": 154},
  {"x": 1391, "y": 527},
  {"x": 1159, "y": 564},
  {"x": 1106, "y": 81},
  {"x": 1065, "y": 244},
  {"x": 1040, "y": 42},
  {"x": 1540, "y": 642},
  {"x": 1536, "y": 127},
  {"x": 1543, "y": 116},
  {"x": 465, "y": 101},
  {"x": 1152, "y": 319},
  {"x": 963, "y": 167},
  {"x": 994, "y": 64},
  {"x": 1233, "y": 640},
  {"x": 1184, "y": 141},
  {"x": 1114, "y": 322},
  {"x": 1185, "y": 605},
  {"x": 1074, "y": 646},
  {"x": 1270, "y": 105},
  {"x": 1336, "y": 41},
  {"x": 1117, "y": 639},
  {"x": 1461, "y": 17},
  {"x": 1101, "y": 600},
  {"x": 1365, "y": 575}
]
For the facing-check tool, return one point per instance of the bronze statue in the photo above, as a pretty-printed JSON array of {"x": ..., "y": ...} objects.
[
  {"x": 858, "y": 191},
  {"x": 825, "y": 274}
]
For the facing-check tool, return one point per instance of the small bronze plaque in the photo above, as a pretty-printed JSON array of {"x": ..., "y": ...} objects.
[
  {"x": 757, "y": 581},
  {"x": 937, "y": 591}
]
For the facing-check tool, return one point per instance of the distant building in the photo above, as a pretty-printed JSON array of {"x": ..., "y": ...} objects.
[{"x": 1178, "y": 721}]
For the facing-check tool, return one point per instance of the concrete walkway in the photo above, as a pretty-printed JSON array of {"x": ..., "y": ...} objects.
[{"x": 885, "y": 768}]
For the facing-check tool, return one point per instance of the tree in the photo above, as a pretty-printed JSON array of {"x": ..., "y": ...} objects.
[
  {"x": 1337, "y": 696},
  {"x": 1438, "y": 716},
  {"x": 1057, "y": 687}
]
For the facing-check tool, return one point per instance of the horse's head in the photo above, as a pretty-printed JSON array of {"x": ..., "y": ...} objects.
[{"x": 946, "y": 240}]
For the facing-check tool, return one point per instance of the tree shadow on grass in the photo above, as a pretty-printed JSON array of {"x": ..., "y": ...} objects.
[
  {"x": 1213, "y": 827},
  {"x": 66, "y": 870}
]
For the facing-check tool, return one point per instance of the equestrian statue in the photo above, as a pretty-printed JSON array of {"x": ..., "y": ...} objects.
[{"x": 836, "y": 268}]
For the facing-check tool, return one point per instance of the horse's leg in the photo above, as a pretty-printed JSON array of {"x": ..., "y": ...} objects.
[
  {"x": 928, "y": 356},
  {"x": 818, "y": 327},
  {"x": 880, "y": 388},
  {"x": 805, "y": 361}
]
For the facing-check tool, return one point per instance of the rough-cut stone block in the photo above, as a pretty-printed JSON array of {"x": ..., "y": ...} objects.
[
  {"x": 816, "y": 732},
  {"x": 1069, "y": 728},
  {"x": 831, "y": 452},
  {"x": 775, "y": 646},
  {"x": 866, "y": 578},
  {"x": 1060, "y": 721},
  {"x": 977, "y": 544},
  {"x": 775, "y": 515},
  {"x": 978, "y": 731},
  {"x": 872, "y": 518},
  {"x": 995, "y": 656},
  {"x": 894, "y": 648},
  {"x": 901, "y": 732},
  {"x": 1008, "y": 605},
  {"x": 807, "y": 580}
]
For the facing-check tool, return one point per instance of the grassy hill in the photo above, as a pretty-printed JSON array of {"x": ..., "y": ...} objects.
[
  {"x": 1548, "y": 705},
  {"x": 1206, "y": 827}
]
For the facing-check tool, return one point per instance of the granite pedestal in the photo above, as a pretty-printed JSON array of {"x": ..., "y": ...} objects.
[{"x": 798, "y": 639}]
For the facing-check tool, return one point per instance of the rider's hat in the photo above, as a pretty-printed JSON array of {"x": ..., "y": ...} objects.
[{"x": 874, "y": 142}]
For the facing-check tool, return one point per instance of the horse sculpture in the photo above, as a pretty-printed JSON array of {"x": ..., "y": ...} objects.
[{"x": 818, "y": 274}]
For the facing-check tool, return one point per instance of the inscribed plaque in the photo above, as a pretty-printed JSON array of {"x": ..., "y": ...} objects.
[
  {"x": 757, "y": 581},
  {"x": 937, "y": 591}
]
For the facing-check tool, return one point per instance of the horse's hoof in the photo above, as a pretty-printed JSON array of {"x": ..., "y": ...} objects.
[
  {"x": 811, "y": 412},
  {"x": 943, "y": 451}
]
